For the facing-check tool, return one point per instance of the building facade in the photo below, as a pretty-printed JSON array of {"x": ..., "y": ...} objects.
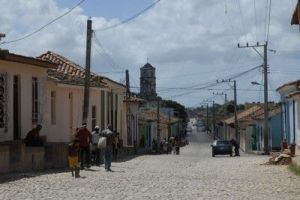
[{"x": 148, "y": 82}]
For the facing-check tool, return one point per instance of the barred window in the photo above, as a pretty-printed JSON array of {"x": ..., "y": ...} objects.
[
  {"x": 94, "y": 117},
  {"x": 35, "y": 101}
]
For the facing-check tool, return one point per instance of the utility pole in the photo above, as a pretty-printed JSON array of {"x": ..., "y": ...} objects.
[
  {"x": 236, "y": 126},
  {"x": 266, "y": 110},
  {"x": 158, "y": 121},
  {"x": 222, "y": 93},
  {"x": 87, "y": 71},
  {"x": 128, "y": 113},
  {"x": 214, "y": 119},
  {"x": 207, "y": 118}
]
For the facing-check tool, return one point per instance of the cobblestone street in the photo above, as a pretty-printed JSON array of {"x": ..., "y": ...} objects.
[{"x": 192, "y": 175}]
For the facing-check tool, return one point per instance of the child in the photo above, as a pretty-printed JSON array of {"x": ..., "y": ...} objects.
[{"x": 73, "y": 157}]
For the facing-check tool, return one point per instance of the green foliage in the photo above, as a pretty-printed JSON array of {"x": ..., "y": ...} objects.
[
  {"x": 179, "y": 109},
  {"x": 295, "y": 169}
]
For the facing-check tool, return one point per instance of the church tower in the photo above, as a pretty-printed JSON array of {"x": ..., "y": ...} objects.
[{"x": 148, "y": 82}]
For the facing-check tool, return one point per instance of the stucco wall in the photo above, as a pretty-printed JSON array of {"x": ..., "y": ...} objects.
[
  {"x": 25, "y": 73},
  {"x": 69, "y": 104}
]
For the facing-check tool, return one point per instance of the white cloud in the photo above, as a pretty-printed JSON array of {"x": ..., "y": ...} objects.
[{"x": 188, "y": 41}]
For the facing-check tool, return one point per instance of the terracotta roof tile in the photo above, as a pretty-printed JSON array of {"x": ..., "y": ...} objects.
[{"x": 69, "y": 72}]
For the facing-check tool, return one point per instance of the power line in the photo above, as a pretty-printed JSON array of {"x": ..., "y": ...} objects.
[
  {"x": 110, "y": 58},
  {"x": 44, "y": 26},
  {"x": 130, "y": 18},
  {"x": 242, "y": 17},
  {"x": 212, "y": 84},
  {"x": 269, "y": 20},
  {"x": 255, "y": 18}
]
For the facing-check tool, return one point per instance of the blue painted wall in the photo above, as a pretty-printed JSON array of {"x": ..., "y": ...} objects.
[{"x": 274, "y": 130}]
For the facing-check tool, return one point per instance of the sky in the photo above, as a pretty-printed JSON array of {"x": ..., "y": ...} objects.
[{"x": 191, "y": 43}]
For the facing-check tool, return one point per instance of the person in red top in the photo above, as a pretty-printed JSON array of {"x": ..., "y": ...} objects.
[{"x": 85, "y": 138}]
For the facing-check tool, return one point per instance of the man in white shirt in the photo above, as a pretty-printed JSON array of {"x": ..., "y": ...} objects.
[{"x": 95, "y": 150}]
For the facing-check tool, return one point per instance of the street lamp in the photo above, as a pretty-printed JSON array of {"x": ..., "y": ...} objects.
[{"x": 256, "y": 83}]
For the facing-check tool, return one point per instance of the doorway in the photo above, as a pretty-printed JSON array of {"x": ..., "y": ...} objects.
[{"x": 16, "y": 107}]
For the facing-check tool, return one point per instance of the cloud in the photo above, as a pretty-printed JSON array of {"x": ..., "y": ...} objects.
[{"x": 188, "y": 41}]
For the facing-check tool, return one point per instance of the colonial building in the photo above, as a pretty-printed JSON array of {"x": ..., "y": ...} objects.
[
  {"x": 65, "y": 100},
  {"x": 22, "y": 94},
  {"x": 22, "y": 105}
]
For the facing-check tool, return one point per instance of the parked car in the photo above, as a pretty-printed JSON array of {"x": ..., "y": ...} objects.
[{"x": 222, "y": 147}]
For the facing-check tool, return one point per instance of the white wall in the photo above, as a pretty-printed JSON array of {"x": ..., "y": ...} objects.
[
  {"x": 25, "y": 73},
  {"x": 69, "y": 110}
]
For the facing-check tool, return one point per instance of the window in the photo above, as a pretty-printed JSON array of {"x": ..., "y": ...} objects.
[
  {"x": 53, "y": 107},
  {"x": 102, "y": 110},
  {"x": 35, "y": 101},
  {"x": 94, "y": 117}
]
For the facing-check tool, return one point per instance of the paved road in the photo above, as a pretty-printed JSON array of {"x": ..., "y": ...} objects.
[{"x": 192, "y": 175}]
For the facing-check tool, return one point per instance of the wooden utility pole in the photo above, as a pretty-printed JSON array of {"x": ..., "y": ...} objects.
[
  {"x": 236, "y": 125},
  {"x": 86, "y": 97},
  {"x": 266, "y": 109},
  {"x": 214, "y": 119},
  {"x": 207, "y": 118},
  {"x": 128, "y": 113}
]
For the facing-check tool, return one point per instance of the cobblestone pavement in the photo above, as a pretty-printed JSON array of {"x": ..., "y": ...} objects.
[{"x": 192, "y": 175}]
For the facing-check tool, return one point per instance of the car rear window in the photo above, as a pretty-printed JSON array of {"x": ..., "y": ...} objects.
[{"x": 223, "y": 142}]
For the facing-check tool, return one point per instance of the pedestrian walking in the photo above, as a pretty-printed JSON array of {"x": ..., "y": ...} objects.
[
  {"x": 110, "y": 136},
  {"x": 73, "y": 157},
  {"x": 116, "y": 145},
  {"x": 96, "y": 152},
  {"x": 236, "y": 146},
  {"x": 85, "y": 138}
]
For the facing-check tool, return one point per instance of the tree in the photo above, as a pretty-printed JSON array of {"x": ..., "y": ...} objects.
[{"x": 179, "y": 109}]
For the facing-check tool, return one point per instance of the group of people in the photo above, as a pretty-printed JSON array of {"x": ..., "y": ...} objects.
[
  {"x": 167, "y": 145},
  {"x": 89, "y": 147}
]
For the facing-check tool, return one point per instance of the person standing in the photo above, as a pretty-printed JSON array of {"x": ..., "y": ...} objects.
[
  {"x": 73, "y": 157},
  {"x": 236, "y": 146},
  {"x": 95, "y": 150},
  {"x": 85, "y": 138},
  {"x": 110, "y": 136}
]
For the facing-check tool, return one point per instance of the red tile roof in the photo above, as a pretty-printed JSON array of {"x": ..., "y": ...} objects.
[{"x": 68, "y": 71}]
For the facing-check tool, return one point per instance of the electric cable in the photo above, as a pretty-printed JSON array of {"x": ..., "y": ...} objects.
[
  {"x": 130, "y": 18},
  {"x": 44, "y": 26}
]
